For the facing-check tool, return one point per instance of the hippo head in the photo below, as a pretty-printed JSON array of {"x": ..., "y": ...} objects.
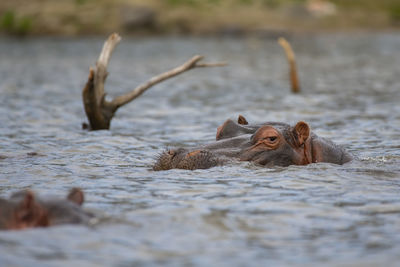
[
  {"x": 25, "y": 210},
  {"x": 268, "y": 144},
  {"x": 22, "y": 211}
]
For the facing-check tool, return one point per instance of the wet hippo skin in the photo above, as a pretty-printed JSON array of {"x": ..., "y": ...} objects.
[
  {"x": 268, "y": 144},
  {"x": 25, "y": 210}
]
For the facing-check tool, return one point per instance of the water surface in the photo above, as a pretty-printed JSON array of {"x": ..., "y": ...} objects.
[{"x": 235, "y": 215}]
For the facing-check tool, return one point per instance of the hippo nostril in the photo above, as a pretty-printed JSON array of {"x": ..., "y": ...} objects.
[{"x": 172, "y": 153}]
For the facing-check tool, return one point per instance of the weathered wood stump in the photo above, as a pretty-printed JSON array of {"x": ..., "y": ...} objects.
[
  {"x": 294, "y": 79},
  {"x": 98, "y": 110}
]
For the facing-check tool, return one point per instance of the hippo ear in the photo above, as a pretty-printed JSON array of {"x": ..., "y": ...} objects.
[
  {"x": 242, "y": 120},
  {"x": 301, "y": 132},
  {"x": 29, "y": 213},
  {"x": 28, "y": 201},
  {"x": 76, "y": 196}
]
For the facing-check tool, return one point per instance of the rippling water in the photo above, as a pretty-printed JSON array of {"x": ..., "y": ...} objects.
[{"x": 235, "y": 215}]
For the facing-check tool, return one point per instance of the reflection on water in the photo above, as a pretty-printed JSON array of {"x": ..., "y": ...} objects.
[{"x": 240, "y": 214}]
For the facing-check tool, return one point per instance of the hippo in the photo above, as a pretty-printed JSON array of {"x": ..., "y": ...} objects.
[
  {"x": 268, "y": 144},
  {"x": 25, "y": 210}
]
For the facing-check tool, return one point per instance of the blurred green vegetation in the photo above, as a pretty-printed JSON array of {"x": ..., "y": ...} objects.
[
  {"x": 241, "y": 2},
  {"x": 80, "y": 2},
  {"x": 394, "y": 11},
  {"x": 12, "y": 24},
  {"x": 390, "y": 6},
  {"x": 82, "y": 17}
]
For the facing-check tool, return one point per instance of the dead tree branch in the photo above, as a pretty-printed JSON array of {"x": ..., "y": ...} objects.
[
  {"x": 98, "y": 110},
  {"x": 294, "y": 80},
  {"x": 190, "y": 64}
]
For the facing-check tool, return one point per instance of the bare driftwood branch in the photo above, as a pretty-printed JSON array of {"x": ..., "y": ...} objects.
[
  {"x": 294, "y": 80},
  {"x": 102, "y": 63},
  {"x": 98, "y": 110},
  {"x": 190, "y": 64}
]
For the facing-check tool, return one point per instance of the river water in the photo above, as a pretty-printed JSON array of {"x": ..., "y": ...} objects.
[{"x": 235, "y": 215}]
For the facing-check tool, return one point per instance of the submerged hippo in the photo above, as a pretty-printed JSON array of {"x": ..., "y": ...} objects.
[
  {"x": 25, "y": 210},
  {"x": 270, "y": 143}
]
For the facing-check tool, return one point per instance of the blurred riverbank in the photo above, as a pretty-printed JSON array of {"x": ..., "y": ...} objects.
[{"x": 226, "y": 17}]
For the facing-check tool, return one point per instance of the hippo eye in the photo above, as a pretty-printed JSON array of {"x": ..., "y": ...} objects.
[{"x": 271, "y": 138}]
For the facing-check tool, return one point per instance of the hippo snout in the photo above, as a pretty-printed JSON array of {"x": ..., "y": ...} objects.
[{"x": 186, "y": 159}]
